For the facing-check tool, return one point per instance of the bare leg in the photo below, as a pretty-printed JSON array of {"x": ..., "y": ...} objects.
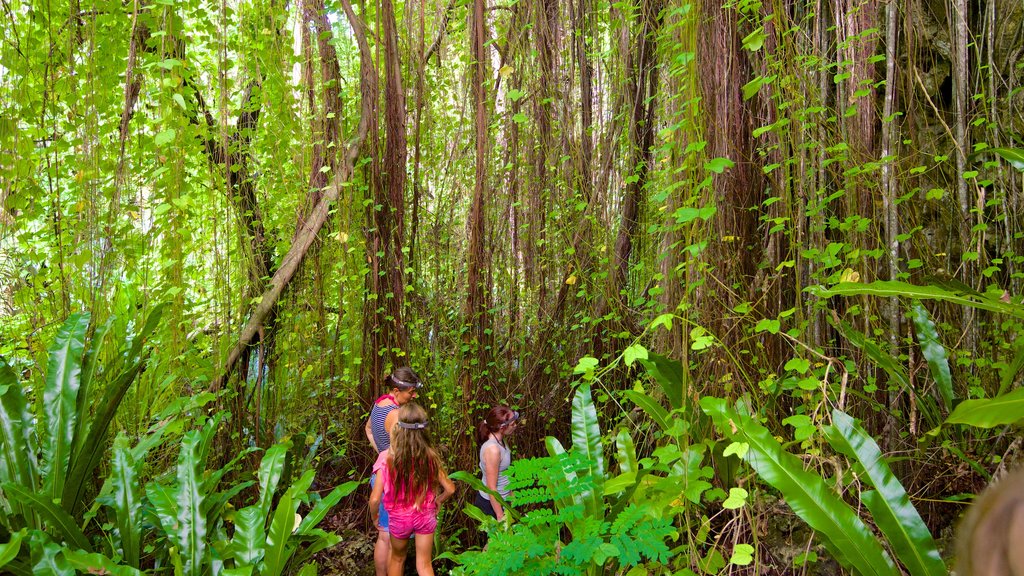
[
  {"x": 424, "y": 554},
  {"x": 381, "y": 553},
  {"x": 399, "y": 549}
]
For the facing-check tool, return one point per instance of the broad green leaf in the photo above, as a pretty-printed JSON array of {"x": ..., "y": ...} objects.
[
  {"x": 165, "y": 137},
  {"x": 586, "y": 440},
  {"x": 90, "y": 452},
  {"x": 670, "y": 375},
  {"x": 889, "y": 504},
  {"x": 277, "y": 549},
  {"x": 321, "y": 541},
  {"x": 475, "y": 484},
  {"x": 652, "y": 407},
  {"x": 191, "y": 530},
  {"x": 324, "y": 506},
  {"x": 891, "y": 288},
  {"x": 755, "y": 40},
  {"x": 1015, "y": 156},
  {"x": 89, "y": 363},
  {"x": 846, "y": 536},
  {"x": 249, "y": 541},
  {"x": 47, "y": 559},
  {"x": 882, "y": 359},
  {"x": 18, "y": 454},
  {"x": 742, "y": 555},
  {"x": 127, "y": 506},
  {"x": 60, "y": 401},
  {"x": 62, "y": 526},
  {"x": 93, "y": 563},
  {"x": 933, "y": 352},
  {"x": 990, "y": 412},
  {"x": 718, "y": 165},
  {"x": 9, "y": 550},
  {"x": 270, "y": 474},
  {"x": 166, "y": 508},
  {"x": 737, "y": 499},
  {"x": 626, "y": 452}
]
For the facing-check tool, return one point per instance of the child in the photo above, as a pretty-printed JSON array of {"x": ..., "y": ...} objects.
[{"x": 409, "y": 477}]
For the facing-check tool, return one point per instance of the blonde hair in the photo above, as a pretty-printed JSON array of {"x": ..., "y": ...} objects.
[{"x": 414, "y": 463}]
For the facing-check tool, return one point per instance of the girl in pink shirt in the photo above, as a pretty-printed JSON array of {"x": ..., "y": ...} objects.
[{"x": 412, "y": 483}]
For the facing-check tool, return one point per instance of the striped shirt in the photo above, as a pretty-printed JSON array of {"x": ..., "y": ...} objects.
[{"x": 381, "y": 437}]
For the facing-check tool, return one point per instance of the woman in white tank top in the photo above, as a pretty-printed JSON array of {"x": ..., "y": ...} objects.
[{"x": 495, "y": 457}]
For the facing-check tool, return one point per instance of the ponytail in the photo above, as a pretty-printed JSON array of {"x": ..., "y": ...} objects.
[{"x": 497, "y": 418}]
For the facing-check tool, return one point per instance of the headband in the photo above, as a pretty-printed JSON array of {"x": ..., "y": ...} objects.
[
  {"x": 403, "y": 384},
  {"x": 515, "y": 416},
  {"x": 412, "y": 425}
]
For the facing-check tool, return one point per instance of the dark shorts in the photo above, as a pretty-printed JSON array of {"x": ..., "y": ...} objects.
[{"x": 485, "y": 505}]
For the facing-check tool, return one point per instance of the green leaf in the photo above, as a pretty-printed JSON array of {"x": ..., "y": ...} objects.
[
  {"x": 933, "y": 352},
  {"x": 586, "y": 365},
  {"x": 990, "y": 412},
  {"x": 844, "y": 533},
  {"x": 663, "y": 320},
  {"x": 62, "y": 525},
  {"x": 563, "y": 502},
  {"x": 889, "y": 289},
  {"x": 269, "y": 474},
  {"x": 9, "y": 550},
  {"x": 60, "y": 401},
  {"x": 625, "y": 451},
  {"x": 634, "y": 353},
  {"x": 586, "y": 439},
  {"x": 1015, "y": 156},
  {"x": 737, "y": 499},
  {"x": 180, "y": 101},
  {"x": 742, "y": 555},
  {"x": 652, "y": 407},
  {"x": 889, "y": 504},
  {"x": 249, "y": 541},
  {"x": 165, "y": 137},
  {"x": 191, "y": 532},
  {"x": 475, "y": 483},
  {"x": 718, "y": 165},
  {"x": 755, "y": 40},
  {"x": 882, "y": 359},
  {"x": 97, "y": 564},
  {"x": 90, "y": 452},
  {"x": 127, "y": 506},
  {"x": 324, "y": 506},
  {"x": 18, "y": 464},
  {"x": 670, "y": 375},
  {"x": 277, "y": 549}
]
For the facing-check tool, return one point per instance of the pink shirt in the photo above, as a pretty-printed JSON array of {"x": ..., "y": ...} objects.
[{"x": 380, "y": 467}]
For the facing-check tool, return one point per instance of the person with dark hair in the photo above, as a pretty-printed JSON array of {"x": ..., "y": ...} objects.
[
  {"x": 411, "y": 484},
  {"x": 495, "y": 457},
  {"x": 404, "y": 385}
]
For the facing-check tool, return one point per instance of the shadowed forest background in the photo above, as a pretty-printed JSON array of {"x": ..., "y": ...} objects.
[{"x": 720, "y": 250}]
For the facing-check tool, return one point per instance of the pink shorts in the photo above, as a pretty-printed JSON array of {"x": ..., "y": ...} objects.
[{"x": 404, "y": 523}]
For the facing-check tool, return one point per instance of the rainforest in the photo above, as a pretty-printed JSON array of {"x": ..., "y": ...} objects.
[{"x": 748, "y": 272}]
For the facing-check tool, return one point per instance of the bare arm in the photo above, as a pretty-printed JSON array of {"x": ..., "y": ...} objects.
[
  {"x": 369, "y": 435},
  {"x": 492, "y": 460},
  {"x": 447, "y": 486},
  {"x": 375, "y": 496}
]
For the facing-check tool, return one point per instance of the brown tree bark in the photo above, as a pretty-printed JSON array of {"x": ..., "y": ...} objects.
[{"x": 385, "y": 337}]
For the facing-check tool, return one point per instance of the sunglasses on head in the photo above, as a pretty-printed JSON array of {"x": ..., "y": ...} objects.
[
  {"x": 510, "y": 421},
  {"x": 403, "y": 385}
]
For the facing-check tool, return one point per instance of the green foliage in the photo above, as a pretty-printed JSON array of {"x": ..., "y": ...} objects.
[{"x": 571, "y": 491}]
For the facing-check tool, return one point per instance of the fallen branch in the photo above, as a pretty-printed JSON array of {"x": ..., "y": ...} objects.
[{"x": 309, "y": 229}]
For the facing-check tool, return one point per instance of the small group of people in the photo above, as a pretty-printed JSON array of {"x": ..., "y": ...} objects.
[{"x": 409, "y": 481}]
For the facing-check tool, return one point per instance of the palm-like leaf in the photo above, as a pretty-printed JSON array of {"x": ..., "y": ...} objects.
[
  {"x": 845, "y": 535},
  {"x": 324, "y": 506},
  {"x": 60, "y": 401},
  {"x": 990, "y": 412},
  {"x": 652, "y": 407},
  {"x": 277, "y": 549},
  {"x": 625, "y": 450},
  {"x": 249, "y": 541},
  {"x": 933, "y": 352},
  {"x": 670, "y": 375},
  {"x": 191, "y": 533},
  {"x": 269, "y": 474},
  {"x": 890, "y": 505},
  {"x": 586, "y": 440},
  {"x": 61, "y": 524},
  {"x": 127, "y": 506},
  {"x": 18, "y": 460}
]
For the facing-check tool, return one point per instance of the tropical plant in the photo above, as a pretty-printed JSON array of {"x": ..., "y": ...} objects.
[{"x": 612, "y": 525}]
